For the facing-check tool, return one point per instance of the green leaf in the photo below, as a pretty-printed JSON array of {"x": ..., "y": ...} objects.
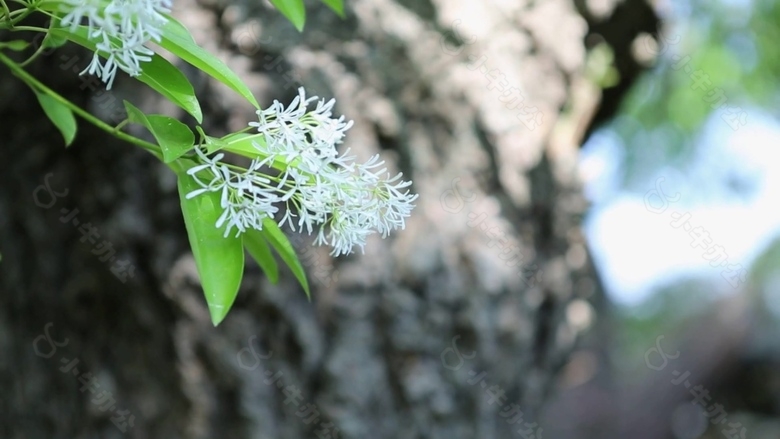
[
  {"x": 170, "y": 82},
  {"x": 212, "y": 143},
  {"x": 52, "y": 41},
  {"x": 177, "y": 40},
  {"x": 258, "y": 248},
  {"x": 243, "y": 144},
  {"x": 158, "y": 73},
  {"x": 233, "y": 137},
  {"x": 219, "y": 259},
  {"x": 15, "y": 45},
  {"x": 60, "y": 115},
  {"x": 336, "y": 5},
  {"x": 175, "y": 138},
  {"x": 279, "y": 241},
  {"x": 293, "y": 10}
]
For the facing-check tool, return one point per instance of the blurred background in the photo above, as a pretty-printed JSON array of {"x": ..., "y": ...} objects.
[
  {"x": 683, "y": 230},
  {"x": 593, "y": 255}
]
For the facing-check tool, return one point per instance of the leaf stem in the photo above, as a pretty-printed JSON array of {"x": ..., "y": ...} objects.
[
  {"x": 121, "y": 125},
  {"x": 30, "y": 28},
  {"x": 37, "y": 52},
  {"x": 6, "y": 10},
  {"x": 34, "y": 83},
  {"x": 22, "y": 14}
]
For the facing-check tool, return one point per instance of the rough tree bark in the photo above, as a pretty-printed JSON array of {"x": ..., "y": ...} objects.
[{"x": 375, "y": 351}]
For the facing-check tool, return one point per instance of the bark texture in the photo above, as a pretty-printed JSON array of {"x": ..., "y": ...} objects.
[{"x": 491, "y": 275}]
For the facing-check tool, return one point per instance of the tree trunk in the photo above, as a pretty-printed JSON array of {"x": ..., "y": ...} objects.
[{"x": 491, "y": 274}]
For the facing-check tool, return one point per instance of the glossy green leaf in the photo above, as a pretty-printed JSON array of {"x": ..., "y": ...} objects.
[
  {"x": 170, "y": 82},
  {"x": 239, "y": 143},
  {"x": 336, "y": 5},
  {"x": 257, "y": 246},
  {"x": 177, "y": 40},
  {"x": 60, "y": 115},
  {"x": 175, "y": 138},
  {"x": 219, "y": 259},
  {"x": 233, "y": 137},
  {"x": 243, "y": 144},
  {"x": 293, "y": 10},
  {"x": 159, "y": 74},
  {"x": 281, "y": 244}
]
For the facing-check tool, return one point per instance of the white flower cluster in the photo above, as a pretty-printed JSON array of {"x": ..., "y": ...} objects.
[
  {"x": 120, "y": 29},
  {"x": 343, "y": 200}
]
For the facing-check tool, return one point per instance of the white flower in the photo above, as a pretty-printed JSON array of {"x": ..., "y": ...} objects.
[
  {"x": 120, "y": 29},
  {"x": 246, "y": 197},
  {"x": 322, "y": 190}
]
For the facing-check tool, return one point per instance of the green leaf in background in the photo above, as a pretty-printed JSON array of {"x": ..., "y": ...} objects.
[
  {"x": 177, "y": 40},
  {"x": 336, "y": 5},
  {"x": 60, "y": 115},
  {"x": 279, "y": 241},
  {"x": 257, "y": 246},
  {"x": 220, "y": 260},
  {"x": 174, "y": 138},
  {"x": 159, "y": 74},
  {"x": 293, "y": 10},
  {"x": 15, "y": 45}
]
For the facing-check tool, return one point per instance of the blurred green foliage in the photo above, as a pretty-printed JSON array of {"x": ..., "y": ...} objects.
[
  {"x": 708, "y": 49},
  {"x": 735, "y": 45}
]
